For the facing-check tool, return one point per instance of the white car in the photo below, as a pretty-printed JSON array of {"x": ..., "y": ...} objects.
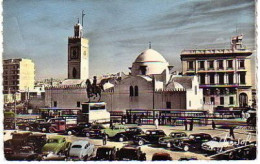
[
  {"x": 81, "y": 150},
  {"x": 217, "y": 145}
]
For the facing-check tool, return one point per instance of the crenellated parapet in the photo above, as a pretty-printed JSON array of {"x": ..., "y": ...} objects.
[{"x": 64, "y": 87}]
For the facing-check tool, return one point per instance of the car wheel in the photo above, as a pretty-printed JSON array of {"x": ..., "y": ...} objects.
[
  {"x": 43, "y": 129},
  {"x": 121, "y": 139},
  {"x": 51, "y": 130},
  {"x": 140, "y": 142},
  {"x": 87, "y": 135},
  {"x": 186, "y": 148},
  {"x": 85, "y": 158},
  {"x": 69, "y": 132},
  {"x": 169, "y": 145},
  {"x": 27, "y": 128}
]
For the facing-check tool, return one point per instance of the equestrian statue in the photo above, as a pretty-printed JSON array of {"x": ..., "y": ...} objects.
[{"x": 94, "y": 90}]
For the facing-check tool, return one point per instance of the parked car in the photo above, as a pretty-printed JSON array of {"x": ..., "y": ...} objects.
[
  {"x": 169, "y": 140},
  {"x": 194, "y": 141},
  {"x": 25, "y": 153},
  {"x": 34, "y": 125},
  {"x": 161, "y": 157},
  {"x": 81, "y": 150},
  {"x": 128, "y": 134},
  {"x": 105, "y": 153},
  {"x": 77, "y": 130},
  {"x": 36, "y": 141},
  {"x": 150, "y": 136},
  {"x": 93, "y": 131},
  {"x": 56, "y": 145},
  {"x": 111, "y": 132},
  {"x": 129, "y": 153},
  {"x": 18, "y": 140},
  {"x": 52, "y": 125},
  {"x": 216, "y": 145}
]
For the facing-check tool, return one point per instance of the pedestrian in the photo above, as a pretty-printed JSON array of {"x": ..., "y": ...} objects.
[
  {"x": 231, "y": 132},
  {"x": 105, "y": 139},
  {"x": 170, "y": 120},
  {"x": 185, "y": 124},
  {"x": 111, "y": 123},
  {"x": 135, "y": 117},
  {"x": 156, "y": 123},
  {"x": 191, "y": 125},
  {"x": 213, "y": 125}
]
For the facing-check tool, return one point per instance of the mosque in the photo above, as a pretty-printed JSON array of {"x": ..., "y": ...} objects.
[{"x": 149, "y": 84}]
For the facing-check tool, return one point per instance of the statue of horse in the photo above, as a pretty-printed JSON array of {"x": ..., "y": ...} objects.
[{"x": 93, "y": 90}]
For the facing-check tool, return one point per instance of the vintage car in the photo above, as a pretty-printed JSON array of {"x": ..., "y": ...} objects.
[
  {"x": 37, "y": 141},
  {"x": 81, "y": 150},
  {"x": 93, "y": 131},
  {"x": 217, "y": 145},
  {"x": 24, "y": 124},
  {"x": 25, "y": 153},
  {"x": 128, "y": 134},
  {"x": 77, "y": 130},
  {"x": 111, "y": 132},
  {"x": 129, "y": 153},
  {"x": 18, "y": 139},
  {"x": 169, "y": 140},
  {"x": 161, "y": 157},
  {"x": 150, "y": 136},
  {"x": 56, "y": 145},
  {"x": 52, "y": 125},
  {"x": 105, "y": 153},
  {"x": 34, "y": 125},
  {"x": 194, "y": 141}
]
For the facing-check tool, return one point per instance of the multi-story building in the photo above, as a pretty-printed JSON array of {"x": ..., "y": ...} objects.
[
  {"x": 224, "y": 74},
  {"x": 18, "y": 76}
]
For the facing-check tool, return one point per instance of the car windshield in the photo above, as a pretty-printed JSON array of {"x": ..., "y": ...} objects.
[
  {"x": 76, "y": 146},
  {"x": 103, "y": 152},
  {"x": 53, "y": 141},
  {"x": 191, "y": 137}
]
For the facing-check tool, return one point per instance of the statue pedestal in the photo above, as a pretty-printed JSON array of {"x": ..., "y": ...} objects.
[{"x": 95, "y": 112}]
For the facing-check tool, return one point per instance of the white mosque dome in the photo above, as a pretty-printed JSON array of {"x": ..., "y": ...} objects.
[
  {"x": 149, "y": 62},
  {"x": 150, "y": 55}
]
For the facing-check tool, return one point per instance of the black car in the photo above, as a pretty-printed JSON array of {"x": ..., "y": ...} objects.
[
  {"x": 77, "y": 130},
  {"x": 129, "y": 153},
  {"x": 161, "y": 157},
  {"x": 18, "y": 140},
  {"x": 169, "y": 140},
  {"x": 105, "y": 153},
  {"x": 128, "y": 134},
  {"x": 151, "y": 136},
  {"x": 25, "y": 153},
  {"x": 36, "y": 141},
  {"x": 93, "y": 131},
  {"x": 194, "y": 141}
]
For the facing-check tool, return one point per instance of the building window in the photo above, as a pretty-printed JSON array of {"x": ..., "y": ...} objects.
[
  {"x": 136, "y": 91},
  {"x": 204, "y": 100},
  {"x": 231, "y": 100},
  {"x": 242, "y": 78},
  {"x": 168, "y": 105},
  {"x": 231, "y": 78},
  {"x": 202, "y": 65},
  {"x": 211, "y": 64},
  {"x": 212, "y": 91},
  {"x": 221, "y": 78},
  {"x": 196, "y": 90},
  {"x": 143, "y": 70},
  {"x": 212, "y": 100},
  {"x": 190, "y": 65},
  {"x": 221, "y": 100},
  {"x": 55, "y": 103},
  {"x": 220, "y": 64},
  {"x": 230, "y": 64},
  {"x": 78, "y": 103},
  {"x": 131, "y": 90},
  {"x": 202, "y": 78},
  {"x": 242, "y": 64},
  {"x": 212, "y": 78}
]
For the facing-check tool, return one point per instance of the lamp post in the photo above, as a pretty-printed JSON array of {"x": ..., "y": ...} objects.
[{"x": 14, "y": 98}]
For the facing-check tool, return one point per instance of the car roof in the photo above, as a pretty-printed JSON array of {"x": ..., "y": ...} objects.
[
  {"x": 107, "y": 147},
  {"x": 80, "y": 142}
]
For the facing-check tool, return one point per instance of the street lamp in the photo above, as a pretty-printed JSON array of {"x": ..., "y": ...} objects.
[{"x": 14, "y": 98}]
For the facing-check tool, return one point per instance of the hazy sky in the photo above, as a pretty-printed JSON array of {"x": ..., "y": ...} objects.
[{"x": 119, "y": 30}]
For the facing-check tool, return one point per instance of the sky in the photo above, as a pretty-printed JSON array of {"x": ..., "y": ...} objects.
[{"x": 119, "y": 30}]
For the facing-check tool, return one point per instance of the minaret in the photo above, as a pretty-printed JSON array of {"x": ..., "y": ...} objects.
[{"x": 78, "y": 54}]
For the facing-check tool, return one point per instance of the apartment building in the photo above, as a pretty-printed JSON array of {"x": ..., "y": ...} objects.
[{"x": 224, "y": 74}]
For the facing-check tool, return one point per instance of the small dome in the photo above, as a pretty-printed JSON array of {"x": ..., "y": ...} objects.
[{"x": 150, "y": 55}]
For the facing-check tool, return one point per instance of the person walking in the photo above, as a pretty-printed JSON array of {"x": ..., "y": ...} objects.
[
  {"x": 213, "y": 125},
  {"x": 191, "y": 125},
  {"x": 185, "y": 124},
  {"x": 231, "y": 132},
  {"x": 156, "y": 123},
  {"x": 105, "y": 139}
]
